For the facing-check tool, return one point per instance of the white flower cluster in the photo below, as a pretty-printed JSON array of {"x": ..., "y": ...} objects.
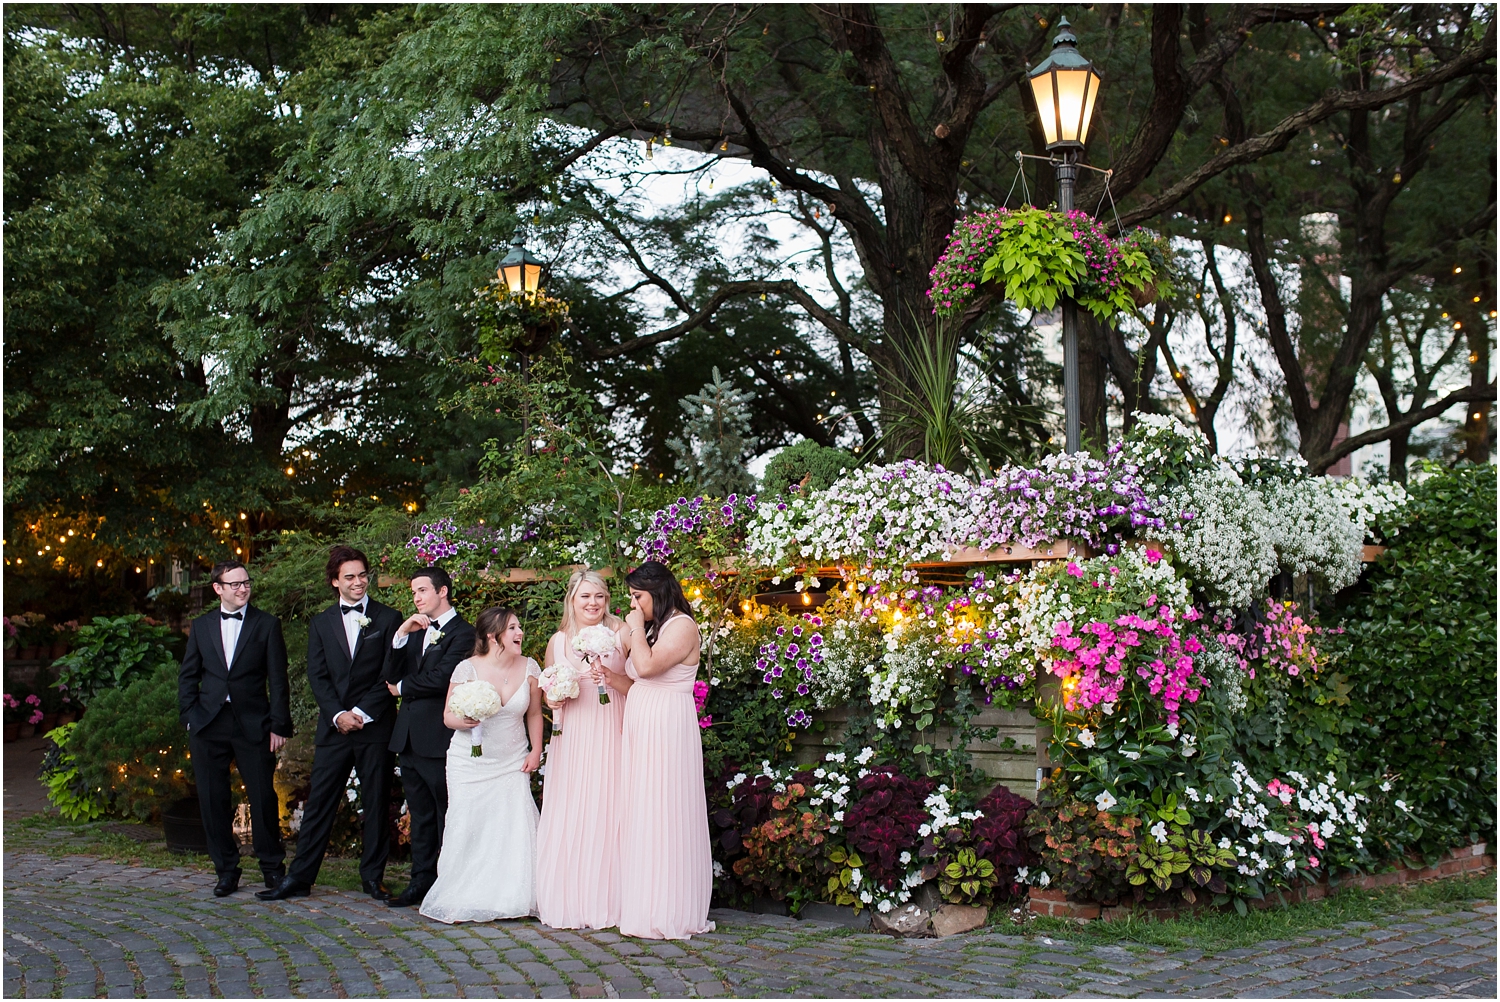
[
  {"x": 851, "y": 651},
  {"x": 940, "y": 814},
  {"x": 1228, "y": 546},
  {"x": 1366, "y": 503},
  {"x": 1160, "y": 437},
  {"x": 911, "y": 670},
  {"x": 904, "y": 512},
  {"x": 1319, "y": 524},
  {"x": 1271, "y": 843},
  {"x": 1313, "y": 530}
]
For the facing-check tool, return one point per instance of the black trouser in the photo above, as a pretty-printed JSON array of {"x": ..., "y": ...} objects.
[
  {"x": 425, "y": 780},
  {"x": 330, "y": 772},
  {"x": 214, "y": 747}
]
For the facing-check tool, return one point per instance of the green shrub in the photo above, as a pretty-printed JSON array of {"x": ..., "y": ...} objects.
[
  {"x": 130, "y": 750},
  {"x": 66, "y": 789},
  {"x": 1421, "y": 659},
  {"x": 110, "y": 654},
  {"x": 807, "y": 459}
]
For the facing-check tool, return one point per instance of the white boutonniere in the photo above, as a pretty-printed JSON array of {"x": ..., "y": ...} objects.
[
  {"x": 437, "y": 635},
  {"x": 364, "y": 622}
]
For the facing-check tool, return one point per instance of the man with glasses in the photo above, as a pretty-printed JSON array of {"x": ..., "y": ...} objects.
[{"x": 233, "y": 697}]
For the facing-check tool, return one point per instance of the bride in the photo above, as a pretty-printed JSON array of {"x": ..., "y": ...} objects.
[{"x": 488, "y": 862}]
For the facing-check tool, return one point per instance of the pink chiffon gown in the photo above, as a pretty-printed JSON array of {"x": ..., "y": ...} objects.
[
  {"x": 578, "y": 838},
  {"x": 667, "y": 875}
]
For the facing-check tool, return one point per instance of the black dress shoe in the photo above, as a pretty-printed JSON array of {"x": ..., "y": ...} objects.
[
  {"x": 288, "y": 888},
  {"x": 377, "y": 890},
  {"x": 272, "y": 879},
  {"x": 413, "y": 895},
  {"x": 229, "y": 882}
]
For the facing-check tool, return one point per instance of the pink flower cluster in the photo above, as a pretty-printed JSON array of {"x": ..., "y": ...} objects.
[
  {"x": 1098, "y": 655},
  {"x": 700, "y": 700},
  {"x": 34, "y": 701},
  {"x": 956, "y": 274},
  {"x": 1287, "y": 640}
]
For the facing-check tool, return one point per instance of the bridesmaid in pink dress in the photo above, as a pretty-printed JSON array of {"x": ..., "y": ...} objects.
[
  {"x": 578, "y": 847},
  {"x": 666, "y": 864}
]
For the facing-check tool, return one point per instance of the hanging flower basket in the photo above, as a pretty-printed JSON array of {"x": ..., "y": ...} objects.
[{"x": 1035, "y": 257}]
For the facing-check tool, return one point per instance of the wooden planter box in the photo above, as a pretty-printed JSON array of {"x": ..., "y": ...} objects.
[
  {"x": 1465, "y": 859},
  {"x": 1012, "y": 765}
]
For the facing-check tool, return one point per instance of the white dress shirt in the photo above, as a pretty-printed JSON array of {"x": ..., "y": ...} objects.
[
  {"x": 351, "y": 635},
  {"x": 229, "y": 631},
  {"x": 428, "y": 638}
]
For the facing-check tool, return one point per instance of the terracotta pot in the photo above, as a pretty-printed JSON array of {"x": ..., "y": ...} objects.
[
  {"x": 10, "y": 652},
  {"x": 28, "y": 654},
  {"x": 49, "y": 721},
  {"x": 66, "y": 717},
  {"x": 12, "y": 731},
  {"x": 28, "y": 730},
  {"x": 59, "y": 649}
]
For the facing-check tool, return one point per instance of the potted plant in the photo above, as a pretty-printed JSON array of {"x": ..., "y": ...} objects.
[
  {"x": 111, "y": 653},
  {"x": 1034, "y": 257},
  {"x": 31, "y": 632}
]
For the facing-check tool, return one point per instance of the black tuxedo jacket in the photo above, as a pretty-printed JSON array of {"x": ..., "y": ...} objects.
[
  {"x": 255, "y": 683},
  {"x": 341, "y": 683},
  {"x": 424, "y": 688}
]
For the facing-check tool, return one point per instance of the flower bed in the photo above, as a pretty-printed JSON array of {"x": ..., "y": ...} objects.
[
  {"x": 1194, "y": 732},
  {"x": 1470, "y": 859}
]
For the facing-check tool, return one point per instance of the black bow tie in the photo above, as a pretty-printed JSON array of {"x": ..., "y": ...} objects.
[
  {"x": 231, "y": 615},
  {"x": 344, "y": 610}
]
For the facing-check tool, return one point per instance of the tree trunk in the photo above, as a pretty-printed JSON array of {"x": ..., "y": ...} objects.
[{"x": 1400, "y": 449}]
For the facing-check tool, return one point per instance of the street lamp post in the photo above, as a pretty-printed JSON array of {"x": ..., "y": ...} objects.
[
  {"x": 519, "y": 270},
  {"x": 1066, "y": 87},
  {"x": 521, "y": 273}
]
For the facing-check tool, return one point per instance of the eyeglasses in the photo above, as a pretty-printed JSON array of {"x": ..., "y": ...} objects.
[{"x": 236, "y": 585}]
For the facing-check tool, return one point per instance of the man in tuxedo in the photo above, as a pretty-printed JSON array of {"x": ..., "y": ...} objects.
[
  {"x": 348, "y": 648},
  {"x": 420, "y": 670},
  {"x": 233, "y": 698}
]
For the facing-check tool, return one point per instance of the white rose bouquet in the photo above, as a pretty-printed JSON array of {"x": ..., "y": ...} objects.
[
  {"x": 478, "y": 701},
  {"x": 592, "y": 644},
  {"x": 559, "y": 682}
]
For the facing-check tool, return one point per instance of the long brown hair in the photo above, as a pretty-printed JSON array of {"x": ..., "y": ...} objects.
[
  {"x": 494, "y": 620},
  {"x": 657, "y": 580}
]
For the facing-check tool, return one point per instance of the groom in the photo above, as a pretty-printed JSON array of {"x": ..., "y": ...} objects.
[
  {"x": 419, "y": 672},
  {"x": 348, "y": 650}
]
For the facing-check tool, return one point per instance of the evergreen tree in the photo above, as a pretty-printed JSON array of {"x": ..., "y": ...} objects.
[{"x": 717, "y": 438}]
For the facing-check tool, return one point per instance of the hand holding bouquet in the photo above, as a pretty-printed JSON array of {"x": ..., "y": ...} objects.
[
  {"x": 559, "y": 681},
  {"x": 593, "y": 644},
  {"x": 476, "y": 701}
]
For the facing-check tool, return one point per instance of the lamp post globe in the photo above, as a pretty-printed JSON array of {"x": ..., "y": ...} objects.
[
  {"x": 1065, "y": 86},
  {"x": 519, "y": 270}
]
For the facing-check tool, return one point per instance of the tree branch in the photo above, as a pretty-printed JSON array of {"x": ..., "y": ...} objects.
[
  {"x": 722, "y": 295},
  {"x": 1275, "y": 139},
  {"x": 1408, "y": 421}
]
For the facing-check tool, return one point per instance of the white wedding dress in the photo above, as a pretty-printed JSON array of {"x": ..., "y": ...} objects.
[{"x": 487, "y": 867}]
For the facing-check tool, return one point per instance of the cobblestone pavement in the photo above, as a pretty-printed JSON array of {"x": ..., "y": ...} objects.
[{"x": 79, "y": 926}]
